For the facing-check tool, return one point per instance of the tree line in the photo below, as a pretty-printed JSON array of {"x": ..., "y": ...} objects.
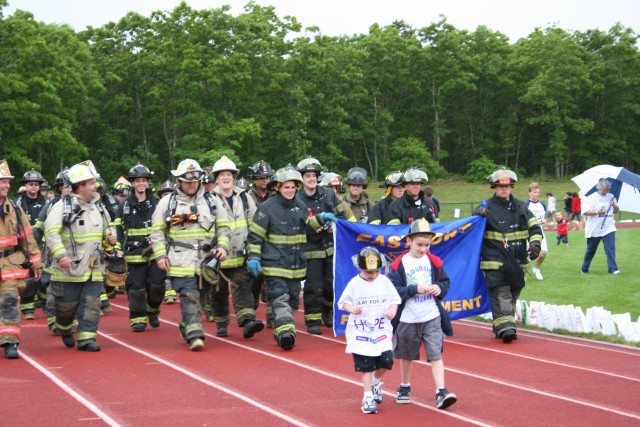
[{"x": 203, "y": 83}]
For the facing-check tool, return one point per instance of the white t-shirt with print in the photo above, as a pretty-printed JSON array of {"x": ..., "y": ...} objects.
[
  {"x": 369, "y": 333},
  {"x": 537, "y": 209},
  {"x": 421, "y": 307},
  {"x": 598, "y": 226}
]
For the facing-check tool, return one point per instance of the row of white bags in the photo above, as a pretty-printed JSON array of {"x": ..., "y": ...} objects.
[{"x": 573, "y": 319}]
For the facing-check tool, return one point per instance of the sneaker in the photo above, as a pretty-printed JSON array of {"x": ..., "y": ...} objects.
[
  {"x": 616, "y": 272},
  {"x": 251, "y": 327},
  {"x": 196, "y": 344},
  {"x": 445, "y": 398},
  {"x": 29, "y": 316},
  {"x": 536, "y": 272},
  {"x": 509, "y": 335},
  {"x": 91, "y": 346},
  {"x": 154, "y": 322},
  {"x": 584, "y": 272},
  {"x": 314, "y": 330},
  {"x": 11, "y": 350},
  {"x": 287, "y": 340},
  {"x": 138, "y": 327},
  {"x": 377, "y": 392},
  {"x": 369, "y": 406},
  {"x": 404, "y": 394},
  {"x": 222, "y": 331},
  {"x": 169, "y": 300}
]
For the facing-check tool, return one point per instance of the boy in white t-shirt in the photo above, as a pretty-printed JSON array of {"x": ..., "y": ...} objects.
[
  {"x": 538, "y": 210},
  {"x": 372, "y": 302},
  {"x": 421, "y": 282}
]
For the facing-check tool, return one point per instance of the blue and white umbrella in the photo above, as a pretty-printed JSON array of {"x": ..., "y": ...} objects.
[{"x": 625, "y": 185}]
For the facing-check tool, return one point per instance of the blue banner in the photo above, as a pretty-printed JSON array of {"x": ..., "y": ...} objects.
[{"x": 457, "y": 243}]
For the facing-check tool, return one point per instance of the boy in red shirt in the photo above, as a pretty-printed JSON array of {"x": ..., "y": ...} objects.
[{"x": 563, "y": 230}]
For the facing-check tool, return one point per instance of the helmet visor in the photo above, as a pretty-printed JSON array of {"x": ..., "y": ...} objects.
[{"x": 191, "y": 176}]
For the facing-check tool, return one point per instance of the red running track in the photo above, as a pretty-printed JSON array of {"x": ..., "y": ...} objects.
[{"x": 151, "y": 378}]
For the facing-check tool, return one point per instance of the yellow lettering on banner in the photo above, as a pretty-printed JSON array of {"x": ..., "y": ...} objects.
[
  {"x": 393, "y": 242},
  {"x": 344, "y": 319},
  {"x": 364, "y": 237},
  {"x": 459, "y": 305}
]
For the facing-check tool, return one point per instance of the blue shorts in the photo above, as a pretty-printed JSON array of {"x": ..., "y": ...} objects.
[{"x": 411, "y": 336}]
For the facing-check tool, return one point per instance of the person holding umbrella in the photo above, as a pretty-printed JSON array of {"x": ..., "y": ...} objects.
[{"x": 599, "y": 208}]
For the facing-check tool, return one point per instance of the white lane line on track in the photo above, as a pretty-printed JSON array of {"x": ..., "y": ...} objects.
[
  {"x": 551, "y": 362},
  {"x": 77, "y": 396},
  {"x": 523, "y": 388},
  {"x": 289, "y": 361},
  {"x": 205, "y": 381},
  {"x": 575, "y": 341}
]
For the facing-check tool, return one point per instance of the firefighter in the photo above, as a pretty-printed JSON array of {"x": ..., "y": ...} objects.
[
  {"x": 74, "y": 232},
  {"x": 62, "y": 188},
  {"x": 31, "y": 202},
  {"x": 113, "y": 283},
  {"x": 144, "y": 281},
  {"x": 170, "y": 296},
  {"x": 120, "y": 189},
  {"x": 394, "y": 189},
  {"x": 236, "y": 211},
  {"x": 512, "y": 236},
  {"x": 413, "y": 204},
  {"x": 182, "y": 235},
  {"x": 275, "y": 247},
  {"x": 260, "y": 173},
  {"x": 357, "y": 198},
  {"x": 333, "y": 181},
  {"x": 19, "y": 254},
  {"x": 322, "y": 209}
]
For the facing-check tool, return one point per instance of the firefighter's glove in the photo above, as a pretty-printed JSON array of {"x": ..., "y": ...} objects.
[
  {"x": 254, "y": 267},
  {"x": 178, "y": 219},
  {"x": 328, "y": 218},
  {"x": 482, "y": 210},
  {"x": 534, "y": 251}
]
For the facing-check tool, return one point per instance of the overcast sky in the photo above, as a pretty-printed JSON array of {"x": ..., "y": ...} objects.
[{"x": 515, "y": 18}]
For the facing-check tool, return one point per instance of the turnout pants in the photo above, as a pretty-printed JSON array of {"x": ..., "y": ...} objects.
[
  {"x": 81, "y": 300},
  {"x": 145, "y": 288},
  {"x": 239, "y": 281},
  {"x": 191, "y": 322},
  {"x": 318, "y": 291},
  {"x": 9, "y": 311},
  {"x": 284, "y": 295},
  {"x": 504, "y": 286}
]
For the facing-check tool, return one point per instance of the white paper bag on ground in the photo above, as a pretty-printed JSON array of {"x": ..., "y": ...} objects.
[
  {"x": 534, "y": 317},
  {"x": 548, "y": 316},
  {"x": 578, "y": 320},
  {"x": 565, "y": 313},
  {"x": 592, "y": 322},
  {"x": 606, "y": 321}
]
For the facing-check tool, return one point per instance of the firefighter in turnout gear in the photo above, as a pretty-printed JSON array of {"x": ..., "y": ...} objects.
[
  {"x": 275, "y": 248},
  {"x": 74, "y": 231},
  {"x": 145, "y": 281},
  {"x": 394, "y": 185},
  {"x": 110, "y": 287},
  {"x": 31, "y": 202},
  {"x": 323, "y": 207},
  {"x": 235, "y": 211},
  {"x": 19, "y": 254},
  {"x": 512, "y": 236},
  {"x": 260, "y": 173},
  {"x": 182, "y": 235},
  {"x": 333, "y": 181},
  {"x": 357, "y": 198},
  {"x": 170, "y": 295},
  {"x": 62, "y": 188},
  {"x": 413, "y": 204}
]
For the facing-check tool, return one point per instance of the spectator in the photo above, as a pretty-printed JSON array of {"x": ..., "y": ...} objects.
[
  {"x": 551, "y": 208},
  {"x": 428, "y": 191},
  {"x": 600, "y": 208},
  {"x": 576, "y": 208},
  {"x": 563, "y": 231},
  {"x": 567, "y": 205}
]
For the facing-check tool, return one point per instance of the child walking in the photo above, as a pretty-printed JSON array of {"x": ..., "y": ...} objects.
[
  {"x": 372, "y": 302},
  {"x": 563, "y": 231},
  {"x": 422, "y": 282}
]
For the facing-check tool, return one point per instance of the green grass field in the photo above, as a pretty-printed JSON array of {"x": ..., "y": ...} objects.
[{"x": 563, "y": 283}]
